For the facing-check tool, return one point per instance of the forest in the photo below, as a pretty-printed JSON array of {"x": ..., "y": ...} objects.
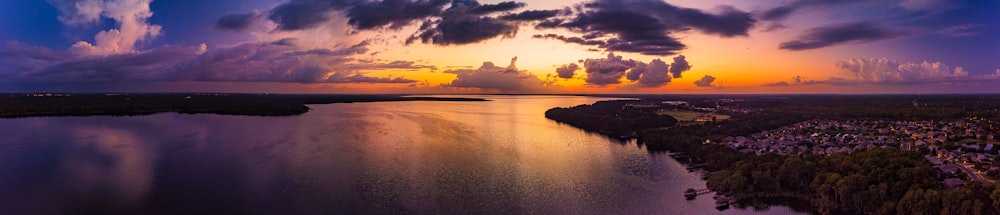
[{"x": 611, "y": 118}]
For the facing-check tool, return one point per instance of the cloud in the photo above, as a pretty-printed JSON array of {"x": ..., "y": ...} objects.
[
  {"x": 17, "y": 58},
  {"x": 78, "y": 12},
  {"x": 131, "y": 17},
  {"x": 492, "y": 77},
  {"x": 856, "y": 32},
  {"x": 490, "y": 8},
  {"x": 605, "y": 71},
  {"x": 777, "y": 84},
  {"x": 567, "y": 71},
  {"x": 705, "y": 81},
  {"x": 882, "y": 71},
  {"x": 362, "y": 14},
  {"x": 645, "y": 26},
  {"x": 782, "y": 12},
  {"x": 530, "y": 15},
  {"x": 238, "y": 22},
  {"x": 959, "y": 31},
  {"x": 458, "y": 25},
  {"x": 611, "y": 70},
  {"x": 576, "y": 40},
  {"x": 679, "y": 66},
  {"x": 395, "y": 13},
  {"x": 279, "y": 61},
  {"x": 650, "y": 75}
]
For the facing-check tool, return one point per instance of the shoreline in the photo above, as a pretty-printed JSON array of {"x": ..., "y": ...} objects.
[{"x": 83, "y": 105}]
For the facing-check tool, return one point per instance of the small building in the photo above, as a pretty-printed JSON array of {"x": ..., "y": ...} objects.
[
  {"x": 949, "y": 169},
  {"x": 934, "y": 160},
  {"x": 953, "y": 182}
]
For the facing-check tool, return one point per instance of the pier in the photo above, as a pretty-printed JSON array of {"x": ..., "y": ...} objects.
[{"x": 692, "y": 193}]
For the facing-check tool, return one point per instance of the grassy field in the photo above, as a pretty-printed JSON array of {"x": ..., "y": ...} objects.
[{"x": 681, "y": 115}]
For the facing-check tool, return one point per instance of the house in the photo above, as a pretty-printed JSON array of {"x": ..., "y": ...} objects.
[
  {"x": 953, "y": 182},
  {"x": 949, "y": 169},
  {"x": 934, "y": 160}
]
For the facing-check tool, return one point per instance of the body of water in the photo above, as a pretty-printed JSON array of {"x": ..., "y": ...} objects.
[{"x": 496, "y": 157}]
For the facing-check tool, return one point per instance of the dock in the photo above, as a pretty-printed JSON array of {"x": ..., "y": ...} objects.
[{"x": 692, "y": 193}]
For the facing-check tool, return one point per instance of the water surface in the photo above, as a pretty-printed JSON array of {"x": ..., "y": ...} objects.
[{"x": 418, "y": 157}]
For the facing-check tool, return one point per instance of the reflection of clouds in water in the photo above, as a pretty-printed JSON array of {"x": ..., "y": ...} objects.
[{"x": 116, "y": 158}]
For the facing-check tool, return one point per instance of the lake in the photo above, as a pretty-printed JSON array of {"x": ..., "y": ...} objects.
[{"x": 420, "y": 157}]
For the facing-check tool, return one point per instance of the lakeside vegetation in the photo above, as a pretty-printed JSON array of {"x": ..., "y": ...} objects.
[
  {"x": 58, "y": 104},
  {"x": 877, "y": 181},
  {"x": 610, "y": 118}
]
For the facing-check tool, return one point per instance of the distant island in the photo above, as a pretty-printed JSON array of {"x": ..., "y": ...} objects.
[
  {"x": 838, "y": 154},
  {"x": 133, "y": 104}
]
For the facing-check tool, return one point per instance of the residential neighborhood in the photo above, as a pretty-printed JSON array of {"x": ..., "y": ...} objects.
[{"x": 961, "y": 150}]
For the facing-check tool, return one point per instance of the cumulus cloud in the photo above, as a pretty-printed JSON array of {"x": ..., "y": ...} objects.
[
  {"x": 888, "y": 72},
  {"x": 131, "y": 17},
  {"x": 705, "y": 81},
  {"x": 679, "y": 66},
  {"x": 492, "y": 77},
  {"x": 611, "y": 70},
  {"x": 653, "y": 74},
  {"x": 645, "y": 26},
  {"x": 605, "y": 71},
  {"x": 279, "y": 61},
  {"x": 882, "y": 70},
  {"x": 567, "y": 71},
  {"x": 856, "y": 32}
]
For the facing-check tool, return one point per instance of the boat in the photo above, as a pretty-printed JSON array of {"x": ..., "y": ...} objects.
[
  {"x": 690, "y": 193},
  {"x": 722, "y": 202}
]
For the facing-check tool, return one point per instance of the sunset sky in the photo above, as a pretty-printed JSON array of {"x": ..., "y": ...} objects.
[{"x": 528, "y": 46}]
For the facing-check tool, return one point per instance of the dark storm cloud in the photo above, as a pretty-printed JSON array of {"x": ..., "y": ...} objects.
[
  {"x": 857, "y": 32},
  {"x": 303, "y": 14},
  {"x": 493, "y": 8},
  {"x": 279, "y": 61},
  {"x": 458, "y": 26},
  {"x": 238, "y": 22},
  {"x": 705, "y": 81},
  {"x": 362, "y": 14},
  {"x": 531, "y": 15},
  {"x": 645, "y": 26},
  {"x": 395, "y": 13}
]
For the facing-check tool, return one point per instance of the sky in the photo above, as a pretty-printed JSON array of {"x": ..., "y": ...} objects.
[{"x": 488, "y": 46}]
